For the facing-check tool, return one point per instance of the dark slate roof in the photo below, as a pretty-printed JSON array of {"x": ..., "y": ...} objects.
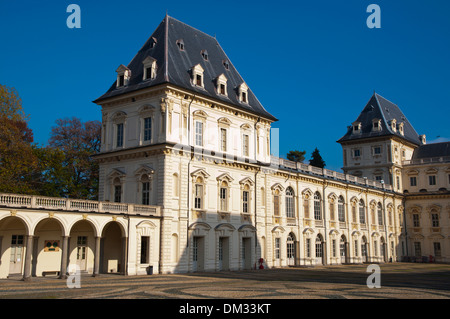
[
  {"x": 174, "y": 66},
  {"x": 432, "y": 150},
  {"x": 380, "y": 108}
]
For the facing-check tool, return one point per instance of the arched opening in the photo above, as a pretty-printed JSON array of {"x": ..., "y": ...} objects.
[
  {"x": 113, "y": 244},
  {"x": 320, "y": 253},
  {"x": 48, "y": 248},
  {"x": 13, "y": 232},
  {"x": 343, "y": 250},
  {"x": 364, "y": 249},
  {"x": 290, "y": 208},
  {"x": 82, "y": 246},
  {"x": 291, "y": 249}
]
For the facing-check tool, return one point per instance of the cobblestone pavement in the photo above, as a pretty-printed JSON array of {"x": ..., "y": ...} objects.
[{"x": 398, "y": 280}]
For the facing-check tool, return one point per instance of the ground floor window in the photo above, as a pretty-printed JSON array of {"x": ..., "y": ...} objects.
[
  {"x": 145, "y": 243},
  {"x": 417, "y": 249},
  {"x": 277, "y": 248},
  {"x": 437, "y": 249}
]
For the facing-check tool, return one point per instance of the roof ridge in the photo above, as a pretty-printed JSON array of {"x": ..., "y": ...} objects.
[{"x": 192, "y": 27}]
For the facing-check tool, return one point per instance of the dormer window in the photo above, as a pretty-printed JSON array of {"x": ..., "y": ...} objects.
[
  {"x": 204, "y": 55},
  {"x": 197, "y": 75},
  {"x": 356, "y": 127},
  {"x": 123, "y": 75},
  {"x": 400, "y": 128},
  {"x": 394, "y": 125},
  {"x": 153, "y": 42},
  {"x": 376, "y": 125},
  {"x": 243, "y": 93},
  {"x": 180, "y": 44},
  {"x": 226, "y": 64},
  {"x": 150, "y": 66},
  {"x": 221, "y": 84}
]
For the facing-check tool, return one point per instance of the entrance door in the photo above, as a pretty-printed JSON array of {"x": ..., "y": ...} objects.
[
  {"x": 224, "y": 253},
  {"x": 319, "y": 251},
  {"x": 290, "y": 251},
  {"x": 246, "y": 253},
  {"x": 343, "y": 250},
  {"x": 197, "y": 253},
  {"x": 221, "y": 253},
  {"x": 81, "y": 252},
  {"x": 16, "y": 259}
]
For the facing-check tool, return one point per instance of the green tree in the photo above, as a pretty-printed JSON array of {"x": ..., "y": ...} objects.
[
  {"x": 316, "y": 159},
  {"x": 296, "y": 156},
  {"x": 17, "y": 159},
  {"x": 78, "y": 175}
]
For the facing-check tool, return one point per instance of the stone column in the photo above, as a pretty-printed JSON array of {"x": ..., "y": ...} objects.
[
  {"x": 97, "y": 257},
  {"x": 27, "y": 267},
  {"x": 65, "y": 247},
  {"x": 124, "y": 255}
]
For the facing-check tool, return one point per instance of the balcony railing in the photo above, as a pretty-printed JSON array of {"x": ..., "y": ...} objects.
[
  {"x": 76, "y": 205},
  {"x": 305, "y": 168},
  {"x": 442, "y": 159}
]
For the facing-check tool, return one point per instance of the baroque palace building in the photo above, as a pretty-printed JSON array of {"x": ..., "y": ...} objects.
[{"x": 188, "y": 183}]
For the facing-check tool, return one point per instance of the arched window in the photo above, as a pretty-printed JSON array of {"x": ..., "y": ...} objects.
[
  {"x": 223, "y": 196},
  {"x": 246, "y": 199},
  {"x": 380, "y": 214},
  {"x": 362, "y": 214},
  {"x": 317, "y": 210},
  {"x": 290, "y": 212},
  {"x": 341, "y": 209}
]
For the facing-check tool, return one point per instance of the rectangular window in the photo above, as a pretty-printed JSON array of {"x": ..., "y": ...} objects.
[
  {"x": 117, "y": 193},
  {"x": 147, "y": 129},
  {"x": 146, "y": 193},
  {"x": 437, "y": 249},
  {"x": 149, "y": 72},
  {"x": 334, "y": 247},
  {"x": 145, "y": 243},
  {"x": 413, "y": 181},
  {"x": 434, "y": 220},
  {"x": 417, "y": 249},
  {"x": 223, "y": 139},
  {"x": 121, "y": 80},
  {"x": 222, "y": 89},
  {"x": 198, "y": 80},
  {"x": 356, "y": 248},
  {"x": 377, "y": 150},
  {"x": 199, "y": 133},
  {"x": 245, "y": 201},
  {"x": 277, "y": 248},
  {"x": 398, "y": 182},
  {"x": 356, "y": 153},
  {"x": 416, "y": 220},
  {"x": 198, "y": 196},
  {"x": 308, "y": 247},
  {"x": 244, "y": 97},
  {"x": 223, "y": 199},
  {"x": 378, "y": 178},
  {"x": 119, "y": 135},
  {"x": 276, "y": 205},
  {"x": 245, "y": 141},
  {"x": 432, "y": 179}
]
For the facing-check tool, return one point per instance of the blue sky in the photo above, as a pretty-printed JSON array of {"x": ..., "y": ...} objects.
[{"x": 312, "y": 64}]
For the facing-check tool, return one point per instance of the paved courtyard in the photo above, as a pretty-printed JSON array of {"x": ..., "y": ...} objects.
[{"x": 398, "y": 280}]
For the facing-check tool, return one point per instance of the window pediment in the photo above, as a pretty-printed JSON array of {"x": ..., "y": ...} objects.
[
  {"x": 225, "y": 177},
  {"x": 224, "y": 121},
  {"x": 246, "y": 181},
  {"x": 200, "y": 173},
  {"x": 278, "y": 187},
  {"x": 144, "y": 170}
]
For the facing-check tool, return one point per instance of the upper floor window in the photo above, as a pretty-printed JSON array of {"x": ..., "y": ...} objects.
[
  {"x": 434, "y": 220},
  {"x": 223, "y": 139},
  {"x": 290, "y": 212},
  {"x": 198, "y": 133},
  {"x": 147, "y": 129},
  {"x": 204, "y": 55},
  {"x": 413, "y": 180},
  {"x": 243, "y": 93},
  {"x": 356, "y": 152},
  {"x": 432, "y": 179},
  {"x": 119, "y": 135},
  {"x": 221, "y": 84},
  {"x": 416, "y": 220},
  {"x": 223, "y": 196},
  {"x": 245, "y": 145},
  {"x": 380, "y": 214},
  {"x": 149, "y": 65},
  {"x": 317, "y": 208},
  {"x": 376, "y": 150},
  {"x": 117, "y": 190},
  {"x": 123, "y": 75},
  {"x": 197, "y": 75},
  {"x": 362, "y": 212},
  {"x": 246, "y": 199},
  {"x": 376, "y": 125},
  {"x": 180, "y": 44},
  {"x": 356, "y": 127},
  {"x": 341, "y": 209},
  {"x": 276, "y": 203},
  {"x": 198, "y": 193},
  {"x": 145, "y": 184}
]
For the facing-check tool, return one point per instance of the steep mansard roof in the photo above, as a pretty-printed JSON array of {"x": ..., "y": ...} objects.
[
  {"x": 432, "y": 150},
  {"x": 174, "y": 66},
  {"x": 380, "y": 108}
]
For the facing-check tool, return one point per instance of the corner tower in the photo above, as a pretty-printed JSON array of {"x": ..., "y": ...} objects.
[{"x": 378, "y": 141}]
